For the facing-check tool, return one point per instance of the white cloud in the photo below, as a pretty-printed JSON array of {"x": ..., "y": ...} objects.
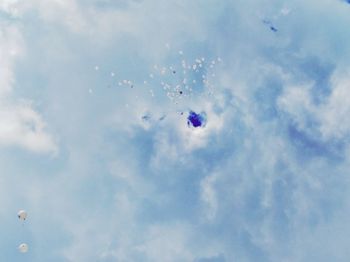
[
  {"x": 327, "y": 119},
  {"x": 209, "y": 196},
  {"x": 10, "y": 7},
  {"x": 334, "y": 113},
  {"x": 297, "y": 102},
  {"x": 11, "y": 48},
  {"x": 258, "y": 192},
  {"x": 20, "y": 124},
  {"x": 167, "y": 243}
]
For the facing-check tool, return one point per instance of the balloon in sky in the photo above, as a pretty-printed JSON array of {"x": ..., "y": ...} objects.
[
  {"x": 23, "y": 248},
  {"x": 196, "y": 120},
  {"x": 22, "y": 215}
]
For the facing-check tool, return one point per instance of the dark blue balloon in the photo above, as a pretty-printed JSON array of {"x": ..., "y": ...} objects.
[{"x": 196, "y": 120}]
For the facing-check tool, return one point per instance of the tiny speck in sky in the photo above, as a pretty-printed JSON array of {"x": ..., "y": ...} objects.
[
  {"x": 146, "y": 117},
  {"x": 274, "y": 29}
]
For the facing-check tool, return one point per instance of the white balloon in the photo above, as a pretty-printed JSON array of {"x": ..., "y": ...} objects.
[
  {"x": 22, "y": 215},
  {"x": 23, "y": 248}
]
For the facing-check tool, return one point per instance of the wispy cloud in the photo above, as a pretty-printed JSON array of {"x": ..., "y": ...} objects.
[
  {"x": 264, "y": 180},
  {"x": 20, "y": 124}
]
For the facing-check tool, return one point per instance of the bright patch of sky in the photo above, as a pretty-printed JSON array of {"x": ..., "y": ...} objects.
[{"x": 100, "y": 141}]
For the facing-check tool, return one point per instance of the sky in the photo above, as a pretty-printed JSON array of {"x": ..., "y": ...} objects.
[{"x": 97, "y": 147}]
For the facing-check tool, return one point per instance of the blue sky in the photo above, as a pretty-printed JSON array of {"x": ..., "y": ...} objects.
[{"x": 266, "y": 179}]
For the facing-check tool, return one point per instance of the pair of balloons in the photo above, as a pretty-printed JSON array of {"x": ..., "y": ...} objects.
[{"x": 22, "y": 215}]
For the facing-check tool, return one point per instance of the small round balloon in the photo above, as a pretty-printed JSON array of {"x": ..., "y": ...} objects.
[
  {"x": 22, "y": 215},
  {"x": 23, "y": 248}
]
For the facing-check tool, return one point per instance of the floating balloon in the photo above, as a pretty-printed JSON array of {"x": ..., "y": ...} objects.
[
  {"x": 22, "y": 215},
  {"x": 196, "y": 120},
  {"x": 23, "y": 248}
]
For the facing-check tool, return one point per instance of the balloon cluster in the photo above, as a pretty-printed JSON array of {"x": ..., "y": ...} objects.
[
  {"x": 181, "y": 80},
  {"x": 22, "y": 215}
]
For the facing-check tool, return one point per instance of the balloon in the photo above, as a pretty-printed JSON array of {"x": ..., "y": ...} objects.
[
  {"x": 23, "y": 248},
  {"x": 196, "y": 120},
  {"x": 22, "y": 215}
]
